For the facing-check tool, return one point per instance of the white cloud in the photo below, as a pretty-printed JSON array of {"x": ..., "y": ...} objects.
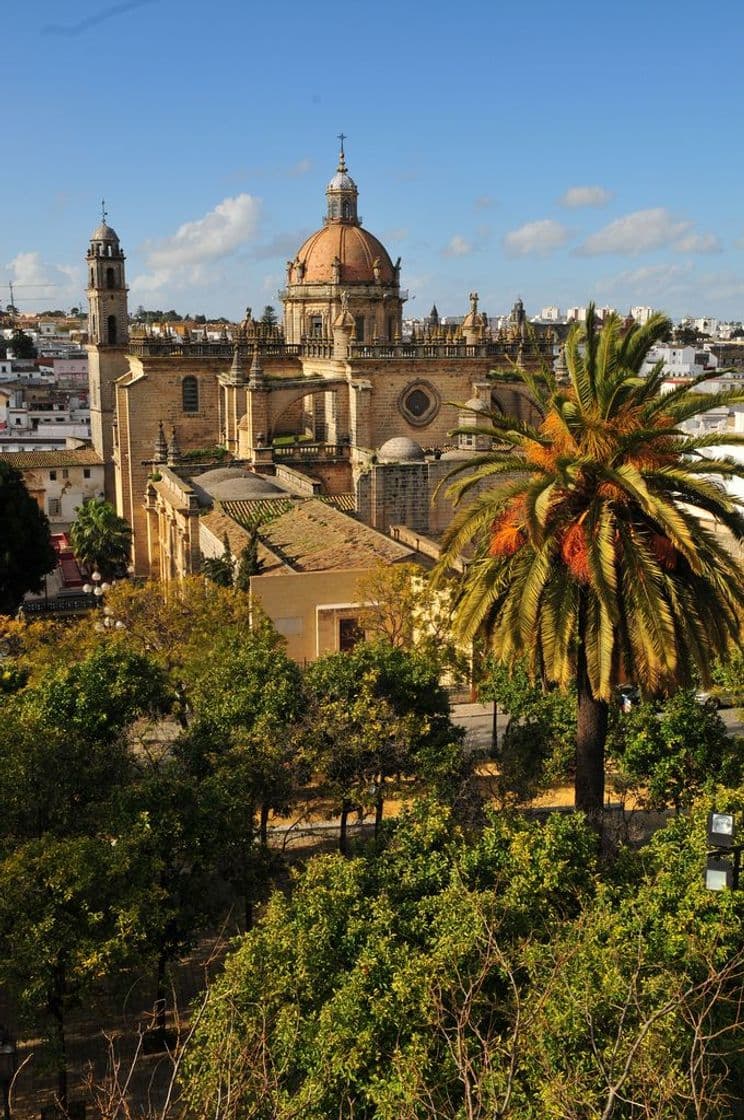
[
  {"x": 652, "y": 278},
  {"x": 484, "y": 202},
  {"x": 300, "y": 168},
  {"x": 639, "y": 232},
  {"x": 698, "y": 243},
  {"x": 585, "y": 196},
  {"x": 457, "y": 246},
  {"x": 535, "y": 238},
  {"x": 677, "y": 287},
  {"x": 37, "y": 282},
  {"x": 182, "y": 257}
]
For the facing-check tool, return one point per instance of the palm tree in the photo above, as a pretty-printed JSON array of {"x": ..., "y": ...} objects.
[
  {"x": 590, "y": 558},
  {"x": 100, "y": 538}
]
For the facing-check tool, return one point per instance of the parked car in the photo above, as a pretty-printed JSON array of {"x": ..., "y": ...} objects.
[{"x": 718, "y": 700}]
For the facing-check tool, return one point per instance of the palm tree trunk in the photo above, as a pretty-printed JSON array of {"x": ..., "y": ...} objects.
[{"x": 591, "y": 735}]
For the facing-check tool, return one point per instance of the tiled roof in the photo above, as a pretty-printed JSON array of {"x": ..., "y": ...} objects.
[
  {"x": 247, "y": 511},
  {"x": 65, "y": 457},
  {"x": 315, "y": 537},
  {"x": 345, "y": 502}
]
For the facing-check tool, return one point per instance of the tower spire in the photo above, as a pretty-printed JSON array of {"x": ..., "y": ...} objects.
[{"x": 341, "y": 193}]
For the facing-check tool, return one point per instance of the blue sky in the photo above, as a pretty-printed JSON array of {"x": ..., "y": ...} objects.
[{"x": 557, "y": 151}]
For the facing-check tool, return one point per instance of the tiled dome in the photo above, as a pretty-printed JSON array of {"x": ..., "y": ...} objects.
[
  {"x": 357, "y": 250},
  {"x": 235, "y": 484},
  {"x": 104, "y": 233},
  {"x": 401, "y": 449}
]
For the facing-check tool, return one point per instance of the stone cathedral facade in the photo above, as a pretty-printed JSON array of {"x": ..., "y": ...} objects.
[{"x": 372, "y": 414}]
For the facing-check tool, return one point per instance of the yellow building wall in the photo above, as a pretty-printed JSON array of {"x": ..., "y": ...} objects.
[{"x": 306, "y": 607}]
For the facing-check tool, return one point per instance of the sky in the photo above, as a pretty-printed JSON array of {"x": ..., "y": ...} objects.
[{"x": 557, "y": 152}]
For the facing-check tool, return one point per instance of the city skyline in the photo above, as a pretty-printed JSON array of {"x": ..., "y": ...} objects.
[{"x": 505, "y": 151}]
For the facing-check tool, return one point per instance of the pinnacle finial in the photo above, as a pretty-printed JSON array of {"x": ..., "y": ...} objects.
[
  {"x": 104, "y": 212},
  {"x": 341, "y": 157}
]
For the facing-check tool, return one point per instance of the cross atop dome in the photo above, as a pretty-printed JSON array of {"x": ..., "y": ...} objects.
[{"x": 341, "y": 192}]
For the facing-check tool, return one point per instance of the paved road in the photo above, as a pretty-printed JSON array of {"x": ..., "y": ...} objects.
[{"x": 477, "y": 719}]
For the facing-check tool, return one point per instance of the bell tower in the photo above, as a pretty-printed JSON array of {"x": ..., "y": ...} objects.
[{"x": 108, "y": 337}]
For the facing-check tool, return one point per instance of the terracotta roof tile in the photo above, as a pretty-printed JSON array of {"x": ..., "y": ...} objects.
[{"x": 79, "y": 457}]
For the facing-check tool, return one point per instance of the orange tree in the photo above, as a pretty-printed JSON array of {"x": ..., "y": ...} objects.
[{"x": 591, "y": 534}]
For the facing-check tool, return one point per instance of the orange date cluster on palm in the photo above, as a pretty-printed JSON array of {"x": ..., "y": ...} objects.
[{"x": 508, "y": 535}]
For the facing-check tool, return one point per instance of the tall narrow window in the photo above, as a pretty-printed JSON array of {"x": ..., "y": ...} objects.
[
  {"x": 110, "y": 278},
  {"x": 190, "y": 394},
  {"x": 359, "y": 323},
  {"x": 111, "y": 330},
  {"x": 348, "y": 634}
]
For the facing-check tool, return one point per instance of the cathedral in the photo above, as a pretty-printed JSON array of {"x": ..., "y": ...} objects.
[{"x": 332, "y": 406}]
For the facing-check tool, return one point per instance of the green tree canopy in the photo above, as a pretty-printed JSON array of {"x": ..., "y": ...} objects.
[
  {"x": 22, "y": 344},
  {"x": 100, "y": 538},
  {"x": 453, "y": 977},
  {"x": 667, "y": 757},
  {"x": 26, "y": 553},
  {"x": 378, "y": 714}
]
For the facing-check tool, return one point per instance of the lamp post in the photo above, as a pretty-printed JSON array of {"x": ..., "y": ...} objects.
[
  {"x": 722, "y": 864},
  {"x": 8, "y": 1067}
]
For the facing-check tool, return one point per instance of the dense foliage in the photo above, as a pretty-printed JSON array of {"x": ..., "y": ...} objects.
[
  {"x": 459, "y": 964},
  {"x": 101, "y": 539},
  {"x": 26, "y": 553},
  {"x": 496, "y": 975}
]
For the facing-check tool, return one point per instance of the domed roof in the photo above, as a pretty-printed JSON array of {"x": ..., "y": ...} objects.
[
  {"x": 357, "y": 250},
  {"x": 342, "y": 181},
  {"x": 401, "y": 449},
  {"x": 475, "y": 404},
  {"x": 235, "y": 484},
  {"x": 104, "y": 233}
]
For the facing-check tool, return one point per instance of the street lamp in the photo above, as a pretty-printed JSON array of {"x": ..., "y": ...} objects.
[
  {"x": 8, "y": 1067},
  {"x": 722, "y": 863}
]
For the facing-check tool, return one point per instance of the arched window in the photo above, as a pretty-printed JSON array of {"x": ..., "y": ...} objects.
[
  {"x": 110, "y": 278},
  {"x": 111, "y": 330},
  {"x": 346, "y": 209},
  {"x": 190, "y": 394}
]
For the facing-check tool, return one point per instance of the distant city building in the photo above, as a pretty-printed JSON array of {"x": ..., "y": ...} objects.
[
  {"x": 642, "y": 314},
  {"x": 681, "y": 361},
  {"x": 578, "y": 314}
]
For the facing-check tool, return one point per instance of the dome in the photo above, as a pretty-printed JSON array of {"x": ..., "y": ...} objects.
[
  {"x": 355, "y": 248},
  {"x": 401, "y": 449},
  {"x": 104, "y": 233},
  {"x": 475, "y": 404},
  {"x": 342, "y": 181},
  {"x": 235, "y": 484}
]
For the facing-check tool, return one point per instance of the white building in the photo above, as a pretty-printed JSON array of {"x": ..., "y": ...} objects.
[
  {"x": 680, "y": 361},
  {"x": 642, "y": 314},
  {"x": 59, "y": 480}
]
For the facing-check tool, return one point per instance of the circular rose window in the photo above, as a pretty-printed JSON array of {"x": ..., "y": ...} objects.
[{"x": 419, "y": 403}]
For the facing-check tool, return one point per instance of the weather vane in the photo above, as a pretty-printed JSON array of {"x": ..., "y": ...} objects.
[{"x": 104, "y": 215}]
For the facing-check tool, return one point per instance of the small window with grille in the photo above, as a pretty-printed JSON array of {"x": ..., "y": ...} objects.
[{"x": 190, "y": 394}]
